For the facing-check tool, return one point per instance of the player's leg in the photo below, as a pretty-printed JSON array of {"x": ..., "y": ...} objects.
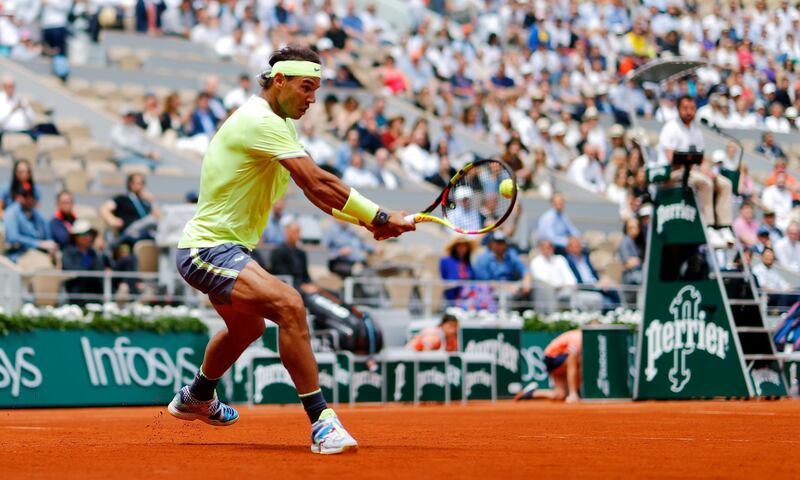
[
  {"x": 258, "y": 293},
  {"x": 198, "y": 401},
  {"x": 573, "y": 376}
]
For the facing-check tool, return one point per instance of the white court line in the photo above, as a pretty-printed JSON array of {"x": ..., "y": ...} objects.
[{"x": 752, "y": 414}]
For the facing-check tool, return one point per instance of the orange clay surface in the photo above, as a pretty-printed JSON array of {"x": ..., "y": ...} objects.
[{"x": 752, "y": 440}]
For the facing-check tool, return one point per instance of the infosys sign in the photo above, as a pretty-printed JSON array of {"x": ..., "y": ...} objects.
[{"x": 83, "y": 368}]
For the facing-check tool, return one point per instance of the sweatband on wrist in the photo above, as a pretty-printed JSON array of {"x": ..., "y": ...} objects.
[
  {"x": 360, "y": 207},
  {"x": 343, "y": 216},
  {"x": 296, "y": 68}
]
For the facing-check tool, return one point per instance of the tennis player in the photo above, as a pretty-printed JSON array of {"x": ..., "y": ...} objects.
[{"x": 245, "y": 170}]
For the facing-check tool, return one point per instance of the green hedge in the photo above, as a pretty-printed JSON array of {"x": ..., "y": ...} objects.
[{"x": 19, "y": 323}]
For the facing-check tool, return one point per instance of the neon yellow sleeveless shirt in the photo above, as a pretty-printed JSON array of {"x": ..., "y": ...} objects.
[{"x": 242, "y": 177}]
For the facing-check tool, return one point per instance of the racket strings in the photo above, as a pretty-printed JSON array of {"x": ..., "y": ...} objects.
[{"x": 474, "y": 202}]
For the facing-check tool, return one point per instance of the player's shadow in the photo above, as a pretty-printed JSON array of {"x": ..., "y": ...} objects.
[{"x": 248, "y": 446}]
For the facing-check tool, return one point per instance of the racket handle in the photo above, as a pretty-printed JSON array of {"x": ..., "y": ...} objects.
[{"x": 411, "y": 218}]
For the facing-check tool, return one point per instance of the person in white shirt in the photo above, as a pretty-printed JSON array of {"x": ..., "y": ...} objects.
[
  {"x": 417, "y": 162},
  {"x": 777, "y": 198},
  {"x": 587, "y": 171},
  {"x": 356, "y": 175},
  {"x": 742, "y": 118},
  {"x": 387, "y": 178},
  {"x": 776, "y": 122},
  {"x": 551, "y": 270},
  {"x": 16, "y": 114},
  {"x": 683, "y": 135},
  {"x": 236, "y": 97},
  {"x": 54, "y": 20},
  {"x": 787, "y": 249},
  {"x": 771, "y": 281},
  {"x": 320, "y": 150}
]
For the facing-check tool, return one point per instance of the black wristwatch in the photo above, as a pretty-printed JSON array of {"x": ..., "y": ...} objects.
[{"x": 381, "y": 219}]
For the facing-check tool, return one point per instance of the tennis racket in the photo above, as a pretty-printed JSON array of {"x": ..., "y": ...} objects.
[{"x": 472, "y": 203}]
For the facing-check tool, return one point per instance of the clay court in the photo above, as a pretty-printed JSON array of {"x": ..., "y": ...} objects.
[{"x": 505, "y": 440}]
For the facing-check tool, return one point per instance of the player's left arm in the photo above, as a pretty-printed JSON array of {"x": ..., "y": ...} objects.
[{"x": 335, "y": 198}]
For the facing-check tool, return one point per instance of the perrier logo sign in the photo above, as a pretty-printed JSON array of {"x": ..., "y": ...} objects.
[{"x": 683, "y": 336}]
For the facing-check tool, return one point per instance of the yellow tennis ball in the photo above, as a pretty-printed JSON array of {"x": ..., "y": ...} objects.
[{"x": 507, "y": 188}]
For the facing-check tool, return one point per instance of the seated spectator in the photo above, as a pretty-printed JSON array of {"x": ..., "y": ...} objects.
[
  {"x": 763, "y": 241},
  {"x": 416, "y": 160},
  {"x": 779, "y": 168},
  {"x": 345, "y": 151},
  {"x": 273, "y": 232},
  {"x": 128, "y": 142},
  {"x": 320, "y": 150},
  {"x": 79, "y": 255},
  {"x": 587, "y": 277},
  {"x": 62, "y": 221},
  {"x": 552, "y": 271},
  {"x": 356, "y": 175},
  {"x": 457, "y": 265},
  {"x": 369, "y": 135},
  {"x": 134, "y": 214},
  {"x": 393, "y": 78},
  {"x": 387, "y": 178},
  {"x": 443, "y": 337},
  {"x": 768, "y": 148},
  {"x": 746, "y": 226},
  {"x": 443, "y": 175},
  {"x": 768, "y": 222},
  {"x": 171, "y": 118},
  {"x": 239, "y": 95},
  {"x": 26, "y": 229},
  {"x": 204, "y": 121},
  {"x": 215, "y": 102},
  {"x": 394, "y": 137},
  {"x": 148, "y": 16},
  {"x": 631, "y": 253},
  {"x": 502, "y": 264},
  {"x": 776, "y": 121},
  {"x": 787, "y": 249},
  {"x": 149, "y": 119},
  {"x": 778, "y": 199},
  {"x": 22, "y": 180},
  {"x": 16, "y": 114},
  {"x": 587, "y": 170},
  {"x": 554, "y": 225},
  {"x": 770, "y": 280},
  {"x": 465, "y": 214},
  {"x": 290, "y": 260},
  {"x": 345, "y": 249}
]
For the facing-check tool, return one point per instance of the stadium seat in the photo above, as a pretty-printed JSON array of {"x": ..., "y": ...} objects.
[
  {"x": 132, "y": 92},
  {"x": 47, "y": 143},
  {"x": 115, "y": 179},
  {"x": 97, "y": 154},
  {"x": 62, "y": 153},
  {"x": 63, "y": 168},
  {"x": 135, "y": 168},
  {"x": 146, "y": 252},
  {"x": 26, "y": 152},
  {"x": 105, "y": 89},
  {"x": 614, "y": 271},
  {"x": 592, "y": 239},
  {"x": 79, "y": 86},
  {"x": 330, "y": 282},
  {"x": 14, "y": 140},
  {"x": 76, "y": 181},
  {"x": 169, "y": 170}
]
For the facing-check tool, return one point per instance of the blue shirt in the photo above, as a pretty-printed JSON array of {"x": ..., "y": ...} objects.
[
  {"x": 451, "y": 268},
  {"x": 556, "y": 227},
  {"x": 8, "y": 199},
  {"x": 23, "y": 232},
  {"x": 510, "y": 268}
]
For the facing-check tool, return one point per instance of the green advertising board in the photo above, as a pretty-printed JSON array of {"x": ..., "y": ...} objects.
[
  {"x": 431, "y": 380},
  {"x": 50, "y": 368},
  {"x": 532, "y": 354},
  {"x": 605, "y": 365},
  {"x": 687, "y": 346},
  {"x": 366, "y": 381},
  {"x": 455, "y": 377},
  {"x": 480, "y": 375},
  {"x": 503, "y": 343},
  {"x": 400, "y": 380},
  {"x": 343, "y": 373},
  {"x": 272, "y": 383}
]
